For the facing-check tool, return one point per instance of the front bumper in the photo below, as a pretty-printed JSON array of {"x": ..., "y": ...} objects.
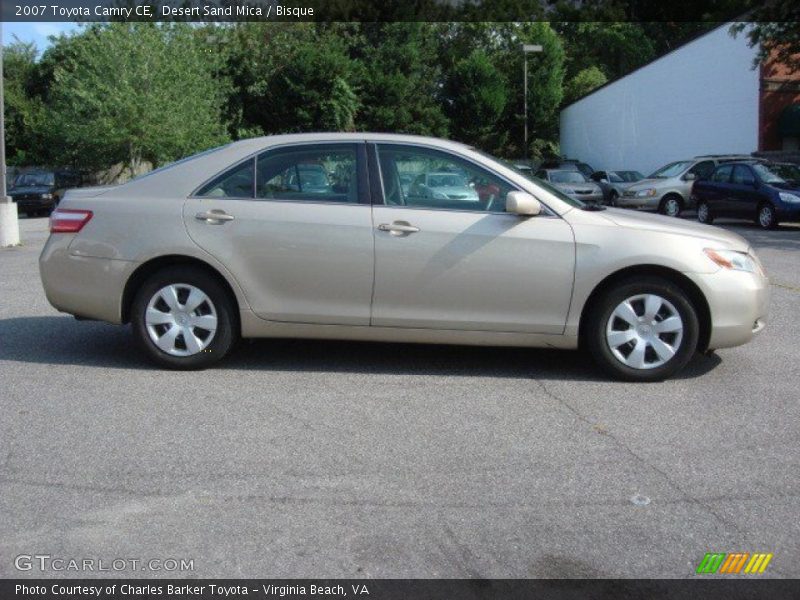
[
  {"x": 589, "y": 198},
  {"x": 789, "y": 212},
  {"x": 29, "y": 203},
  {"x": 646, "y": 203},
  {"x": 739, "y": 303}
]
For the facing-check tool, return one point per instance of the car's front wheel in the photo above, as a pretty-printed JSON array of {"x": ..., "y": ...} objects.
[
  {"x": 614, "y": 198},
  {"x": 671, "y": 205},
  {"x": 642, "y": 330},
  {"x": 183, "y": 319}
]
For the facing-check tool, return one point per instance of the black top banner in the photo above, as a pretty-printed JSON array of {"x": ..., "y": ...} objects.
[
  {"x": 394, "y": 10},
  {"x": 396, "y": 589}
]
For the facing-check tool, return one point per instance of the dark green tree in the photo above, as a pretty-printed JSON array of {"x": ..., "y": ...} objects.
[
  {"x": 131, "y": 92},
  {"x": 475, "y": 95},
  {"x": 398, "y": 79},
  {"x": 22, "y": 108}
]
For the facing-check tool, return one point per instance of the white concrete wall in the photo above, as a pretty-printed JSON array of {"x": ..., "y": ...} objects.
[{"x": 699, "y": 99}]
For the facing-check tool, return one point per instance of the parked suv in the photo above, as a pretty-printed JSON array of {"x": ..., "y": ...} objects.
[
  {"x": 668, "y": 190},
  {"x": 38, "y": 192},
  {"x": 766, "y": 193}
]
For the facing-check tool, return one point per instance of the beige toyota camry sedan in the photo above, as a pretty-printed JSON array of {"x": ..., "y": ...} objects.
[{"x": 393, "y": 238}]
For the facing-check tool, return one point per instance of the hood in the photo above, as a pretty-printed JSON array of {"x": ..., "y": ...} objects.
[
  {"x": 788, "y": 186},
  {"x": 662, "y": 224},
  {"x": 644, "y": 184},
  {"x": 624, "y": 185},
  {"x": 572, "y": 187},
  {"x": 30, "y": 189}
]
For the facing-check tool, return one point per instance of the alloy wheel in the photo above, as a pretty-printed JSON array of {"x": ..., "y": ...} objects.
[
  {"x": 644, "y": 331},
  {"x": 181, "y": 319},
  {"x": 672, "y": 207},
  {"x": 766, "y": 217},
  {"x": 702, "y": 212}
]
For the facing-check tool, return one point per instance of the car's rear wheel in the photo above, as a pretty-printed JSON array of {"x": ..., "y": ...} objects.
[
  {"x": 642, "y": 330},
  {"x": 671, "y": 205},
  {"x": 767, "y": 218},
  {"x": 183, "y": 319},
  {"x": 704, "y": 213},
  {"x": 612, "y": 200}
]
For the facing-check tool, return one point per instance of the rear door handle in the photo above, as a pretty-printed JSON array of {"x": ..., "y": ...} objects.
[
  {"x": 214, "y": 217},
  {"x": 398, "y": 228}
]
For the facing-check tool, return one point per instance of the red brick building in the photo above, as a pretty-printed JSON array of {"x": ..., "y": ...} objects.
[{"x": 779, "y": 108}]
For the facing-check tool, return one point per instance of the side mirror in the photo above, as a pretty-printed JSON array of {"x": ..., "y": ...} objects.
[
  {"x": 689, "y": 177},
  {"x": 522, "y": 203}
]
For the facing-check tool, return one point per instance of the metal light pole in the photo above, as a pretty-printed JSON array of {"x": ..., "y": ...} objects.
[
  {"x": 9, "y": 222},
  {"x": 526, "y": 48}
]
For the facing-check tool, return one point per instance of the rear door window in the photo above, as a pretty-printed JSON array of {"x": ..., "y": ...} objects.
[
  {"x": 309, "y": 173},
  {"x": 722, "y": 174},
  {"x": 743, "y": 175}
]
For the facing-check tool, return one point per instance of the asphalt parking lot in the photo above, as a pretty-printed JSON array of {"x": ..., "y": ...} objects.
[{"x": 325, "y": 459}]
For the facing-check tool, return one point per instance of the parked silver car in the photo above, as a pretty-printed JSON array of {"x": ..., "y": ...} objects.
[
  {"x": 614, "y": 183},
  {"x": 573, "y": 183},
  {"x": 441, "y": 186},
  {"x": 223, "y": 245},
  {"x": 669, "y": 189}
]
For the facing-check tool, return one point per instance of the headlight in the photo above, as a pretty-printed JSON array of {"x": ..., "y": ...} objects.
[
  {"x": 439, "y": 196},
  {"x": 730, "y": 259},
  {"x": 47, "y": 196},
  {"x": 790, "y": 198},
  {"x": 649, "y": 192}
]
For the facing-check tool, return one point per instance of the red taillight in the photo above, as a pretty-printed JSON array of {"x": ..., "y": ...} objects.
[{"x": 65, "y": 220}]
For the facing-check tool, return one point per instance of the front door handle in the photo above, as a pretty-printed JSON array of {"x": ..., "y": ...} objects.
[
  {"x": 214, "y": 217},
  {"x": 398, "y": 228}
]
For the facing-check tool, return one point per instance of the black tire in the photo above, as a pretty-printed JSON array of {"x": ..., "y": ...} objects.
[
  {"x": 704, "y": 214},
  {"x": 767, "y": 218},
  {"x": 601, "y": 311},
  {"x": 227, "y": 324},
  {"x": 613, "y": 198},
  {"x": 671, "y": 205}
]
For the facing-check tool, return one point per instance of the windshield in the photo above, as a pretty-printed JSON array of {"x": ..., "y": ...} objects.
[
  {"x": 312, "y": 178},
  {"x": 34, "y": 179},
  {"x": 777, "y": 173},
  {"x": 629, "y": 176},
  {"x": 672, "y": 169},
  {"x": 567, "y": 177},
  {"x": 446, "y": 180}
]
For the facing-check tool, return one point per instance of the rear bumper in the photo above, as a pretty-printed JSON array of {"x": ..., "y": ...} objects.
[
  {"x": 83, "y": 286},
  {"x": 739, "y": 304}
]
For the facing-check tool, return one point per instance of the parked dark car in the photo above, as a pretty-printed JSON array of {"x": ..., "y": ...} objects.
[
  {"x": 767, "y": 193},
  {"x": 564, "y": 164},
  {"x": 38, "y": 192}
]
